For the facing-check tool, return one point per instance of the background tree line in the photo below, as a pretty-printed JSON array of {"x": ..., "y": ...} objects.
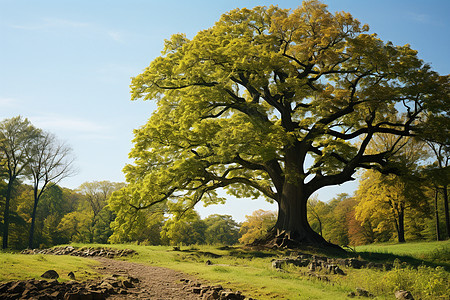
[{"x": 408, "y": 203}]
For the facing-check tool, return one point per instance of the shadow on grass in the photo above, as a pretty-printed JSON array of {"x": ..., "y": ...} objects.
[
  {"x": 439, "y": 257},
  {"x": 385, "y": 257}
]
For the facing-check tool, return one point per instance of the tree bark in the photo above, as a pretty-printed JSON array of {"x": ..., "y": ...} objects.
[
  {"x": 33, "y": 219},
  {"x": 292, "y": 229},
  {"x": 6, "y": 214},
  {"x": 436, "y": 214},
  {"x": 447, "y": 218},
  {"x": 401, "y": 226}
]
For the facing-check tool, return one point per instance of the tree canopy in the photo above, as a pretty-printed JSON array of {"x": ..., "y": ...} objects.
[{"x": 277, "y": 103}]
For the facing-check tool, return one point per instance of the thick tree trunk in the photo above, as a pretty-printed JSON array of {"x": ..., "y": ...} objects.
[
  {"x": 6, "y": 214},
  {"x": 292, "y": 229}
]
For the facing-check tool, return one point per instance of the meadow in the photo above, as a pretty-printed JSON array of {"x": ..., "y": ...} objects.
[{"x": 422, "y": 268}]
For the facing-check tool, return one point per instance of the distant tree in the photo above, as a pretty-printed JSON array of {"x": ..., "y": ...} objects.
[
  {"x": 398, "y": 188},
  {"x": 245, "y": 104},
  {"x": 50, "y": 162},
  {"x": 386, "y": 199},
  {"x": 185, "y": 228},
  {"x": 439, "y": 175},
  {"x": 359, "y": 234},
  {"x": 338, "y": 229},
  {"x": 317, "y": 213},
  {"x": 257, "y": 225},
  {"x": 435, "y": 132},
  {"x": 75, "y": 226},
  {"x": 332, "y": 219},
  {"x": 96, "y": 195},
  {"x": 16, "y": 140},
  {"x": 221, "y": 229}
]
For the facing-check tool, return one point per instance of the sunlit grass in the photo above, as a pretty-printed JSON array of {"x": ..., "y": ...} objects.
[
  {"x": 436, "y": 252},
  {"x": 23, "y": 267},
  {"x": 251, "y": 272}
]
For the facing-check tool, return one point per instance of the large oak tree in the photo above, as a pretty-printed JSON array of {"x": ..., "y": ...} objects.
[{"x": 272, "y": 102}]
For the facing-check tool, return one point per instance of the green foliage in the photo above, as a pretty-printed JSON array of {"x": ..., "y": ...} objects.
[
  {"x": 184, "y": 229},
  {"x": 423, "y": 282},
  {"x": 241, "y": 105},
  {"x": 257, "y": 225},
  {"x": 390, "y": 201},
  {"x": 221, "y": 229},
  {"x": 96, "y": 196},
  {"x": 132, "y": 223},
  {"x": 16, "y": 140}
]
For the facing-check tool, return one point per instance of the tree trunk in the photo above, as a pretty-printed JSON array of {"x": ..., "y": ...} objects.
[
  {"x": 6, "y": 214},
  {"x": 292, "y": 229},
  {"x": 33, "y": 221},
  {"x": 447, "y": 218},
  {"x": 436, "y": 213},
  {"x": 401, "y": 226}
]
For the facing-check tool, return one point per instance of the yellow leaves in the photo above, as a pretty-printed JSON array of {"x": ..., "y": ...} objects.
[{"x": 176, "y": 41}]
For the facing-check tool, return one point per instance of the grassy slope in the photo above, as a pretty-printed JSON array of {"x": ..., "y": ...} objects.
[
  {"x": 415, "y": 253},
  {"x": 420, "y": 250},
  {"x": 21, "y": 267},
  {"x": 250, "y": 271}
]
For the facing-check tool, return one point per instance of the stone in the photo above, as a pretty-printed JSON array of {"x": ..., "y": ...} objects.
[
  {"x": 362, "y": 292},
  {"x": 71, "y": 275},
  {"x": 211, "y": 295},
  {"x": 127, "y": 284},
  {"x": 50, "y": 274},
  {"x": 403, "y": 295},
  {"x": 276, "y": 264},
  {"x": 72, "y": 296},
  {"x": 339, "y": 271},
  {"x": 16, "y": 287}
]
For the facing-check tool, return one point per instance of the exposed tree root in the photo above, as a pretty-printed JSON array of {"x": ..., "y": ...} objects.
[{"x": 286, "y": 240}]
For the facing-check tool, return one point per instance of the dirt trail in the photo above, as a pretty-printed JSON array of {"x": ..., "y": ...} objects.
[{"x": 156, "y": 283}]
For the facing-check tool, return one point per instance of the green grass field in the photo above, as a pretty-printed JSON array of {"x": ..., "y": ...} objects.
[
  {"x": 21, "y": 267},
  {"x": 250, "y": 271},
  {"x": 433, "y": 253}
]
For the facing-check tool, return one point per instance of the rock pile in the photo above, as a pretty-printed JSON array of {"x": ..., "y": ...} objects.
[
  {"x": 210, "y": 292},
  {"x": 72, "y": 290},
  {"x": 83, "y": 252},
  {"x": 326, "y": 263}
]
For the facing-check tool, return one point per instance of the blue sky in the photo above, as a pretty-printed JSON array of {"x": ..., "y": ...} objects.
[{"x": 66, "y": 65}]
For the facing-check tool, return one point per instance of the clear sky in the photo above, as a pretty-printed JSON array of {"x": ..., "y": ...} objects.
[{"x": 66, "y": 66}]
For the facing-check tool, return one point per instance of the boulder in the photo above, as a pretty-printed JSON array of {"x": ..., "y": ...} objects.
[
  {"x": 71, "y": 275},
  {"x": 50, "y": 274}
]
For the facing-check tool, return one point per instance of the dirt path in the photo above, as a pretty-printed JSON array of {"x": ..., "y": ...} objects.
[{"x": 156, "y": 283}]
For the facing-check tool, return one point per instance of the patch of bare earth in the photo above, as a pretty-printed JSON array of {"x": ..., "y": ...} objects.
[{"x": 156, "y": 283}]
